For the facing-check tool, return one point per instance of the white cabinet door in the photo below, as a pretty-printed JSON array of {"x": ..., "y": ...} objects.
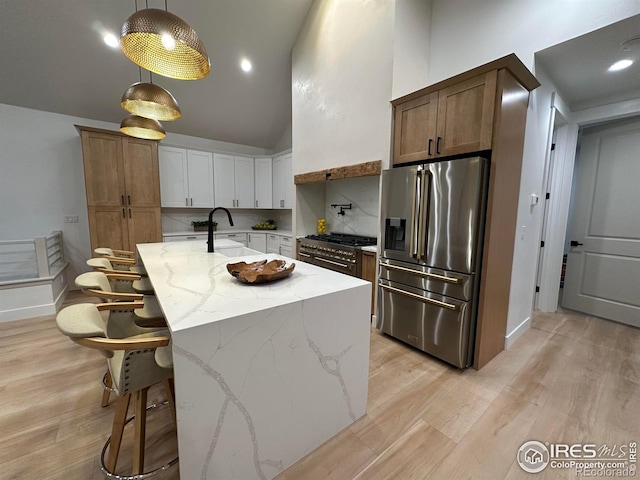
[
  {"x": 278, "y": 182},
  {"x": 245, "y": 195},
  {"x": 283, "y": 181},
  {"x": 288, "y": 181},
  {"x": 273, "y": 243},
  {"x": 200, "y": 170},
  {"x": 174, "y": 186},
  {"x": 286, "y": 251},
  {"x": 224, "y": 180},
  {"x": 258, "y": 241},
  {"x": 263, "y": 182}
]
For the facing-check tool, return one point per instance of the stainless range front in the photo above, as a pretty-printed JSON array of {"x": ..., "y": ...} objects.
[{"x": 338, "y": 252}]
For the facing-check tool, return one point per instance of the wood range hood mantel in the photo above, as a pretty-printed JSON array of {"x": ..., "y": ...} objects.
[{"x": 365, "y": 169}]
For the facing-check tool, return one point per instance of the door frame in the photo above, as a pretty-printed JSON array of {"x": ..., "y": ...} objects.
[{"x": 561, "y": 173}]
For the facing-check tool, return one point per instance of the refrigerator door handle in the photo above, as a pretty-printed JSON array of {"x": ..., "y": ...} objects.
[
  {"x": 423, "y": 222},
  {"x": 415, "y": 201},
  {"x": 420, "y": 297},
  {"x": 442, "y": 278}
]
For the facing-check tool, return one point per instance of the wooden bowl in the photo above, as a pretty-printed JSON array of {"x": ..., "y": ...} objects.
[{"x": 260, "y": 272}]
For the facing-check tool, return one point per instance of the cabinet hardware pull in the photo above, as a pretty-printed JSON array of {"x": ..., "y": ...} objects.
[
  {"x": 122, "y": 199},
  {"x": 256, "y": 203},
  {"x": 422, "y": 274},
  {"x": 129, "y": 213},
  {"x": 123, "y": 214},
  {"x": 430, "y": 145},
  {"x": 281, "y": 203},
  {"x": 438, "y": 144},
  {"x": 192, "y": 238},
  {"x": 129, "y": 199},
  {"x": 186, "y": 202},
  {"x": 192, "y": 202},
  {"x": 420, "y": 297}
]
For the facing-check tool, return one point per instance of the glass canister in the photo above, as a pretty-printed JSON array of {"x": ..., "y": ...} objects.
[{"x": 322, "y": 225}]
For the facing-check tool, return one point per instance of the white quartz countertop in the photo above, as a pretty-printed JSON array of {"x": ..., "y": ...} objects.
[
  {"x": 193, "y": 287},
  {"x": 371, "y": 248},
  {"x": 284, "y": 233}
]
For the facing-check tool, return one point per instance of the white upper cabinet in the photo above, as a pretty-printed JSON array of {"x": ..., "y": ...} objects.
[
  {"x": 186, "y": 177},
  {"x": 233, "y": 181},
  {"x": 283, "y": 181},
  {"x": 263, "y": 183},
  {"x": 200, "y": 168},
  {"x": 245, "y": 194}
]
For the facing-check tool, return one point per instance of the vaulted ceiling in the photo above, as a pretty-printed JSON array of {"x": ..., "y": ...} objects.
[{"x": 54, "y": 59}]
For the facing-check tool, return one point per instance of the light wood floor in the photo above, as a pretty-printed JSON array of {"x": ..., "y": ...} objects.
[{"x": 570, "y": 378}]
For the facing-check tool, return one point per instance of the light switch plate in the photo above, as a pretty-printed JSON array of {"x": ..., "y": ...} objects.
[{"x": 71, "y": 219}]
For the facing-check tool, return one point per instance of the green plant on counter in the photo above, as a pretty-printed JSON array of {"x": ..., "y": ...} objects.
[{"x": 266, "y": 225}]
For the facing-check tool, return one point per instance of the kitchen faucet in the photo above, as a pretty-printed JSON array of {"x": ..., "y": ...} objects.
[
  {"x": 210, "y": 228},
  {"x": 343, "y": 207}
]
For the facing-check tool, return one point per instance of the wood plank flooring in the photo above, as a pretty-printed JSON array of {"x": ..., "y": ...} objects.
[{"x": 570, "y": 378}]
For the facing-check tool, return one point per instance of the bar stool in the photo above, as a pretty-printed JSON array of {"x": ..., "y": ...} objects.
[
  {"x": 133, "y": 366},
  {"x": 114, "y": 287},
  {"x": 123, "y": 258}
]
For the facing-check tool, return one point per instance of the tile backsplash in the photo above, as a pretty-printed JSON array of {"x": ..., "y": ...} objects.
[
  {"x": 179, "y": 219},
  {"x": 363, "y": 195}
]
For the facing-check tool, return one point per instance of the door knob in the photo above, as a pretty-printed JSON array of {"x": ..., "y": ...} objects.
[{"x": 575, "y": 243}]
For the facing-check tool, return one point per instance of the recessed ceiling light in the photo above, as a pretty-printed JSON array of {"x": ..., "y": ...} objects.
[
  {"x": 111, "y": 40},
  {"x": 245, "y": 65},
  {"x": 620, "y": 65}
]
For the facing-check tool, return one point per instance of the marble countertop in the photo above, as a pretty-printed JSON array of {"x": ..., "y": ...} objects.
[
  {"x": 193, "y": 287},
  {"x": 371, "y": 248},
  {"x": 286, "y": 233}
]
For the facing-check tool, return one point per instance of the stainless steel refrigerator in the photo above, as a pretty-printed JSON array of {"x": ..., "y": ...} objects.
[{"x": 432, "y": 220}]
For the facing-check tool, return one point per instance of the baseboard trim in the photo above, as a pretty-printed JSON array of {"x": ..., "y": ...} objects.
[
  {"x": 27, "y": 312},
  {"x": 515, "y": 334}
]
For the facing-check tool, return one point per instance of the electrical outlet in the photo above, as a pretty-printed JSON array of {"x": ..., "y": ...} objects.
[{"x": 71, "y": 219}]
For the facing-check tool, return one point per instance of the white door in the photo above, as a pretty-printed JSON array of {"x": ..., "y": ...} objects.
[
  {"x": 603, "y": 265},
  {"x": 200, "y": 179},
  {"x": 245, "y": 193},
  {"x": 174, "y": 188},
  {"x": 224, "y": 180},
  {"x": 263, "y": 183}
]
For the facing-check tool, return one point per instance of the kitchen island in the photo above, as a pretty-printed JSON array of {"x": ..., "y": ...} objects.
[{"x": 264, "y": 373}]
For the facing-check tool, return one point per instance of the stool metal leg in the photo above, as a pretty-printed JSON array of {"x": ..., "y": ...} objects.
[
  {"x": 107, "y": 384},
  {"x": 170, "y": 389}
]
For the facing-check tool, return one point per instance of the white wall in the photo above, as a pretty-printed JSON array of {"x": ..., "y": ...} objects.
[
  {"x": 341, "y": 84},
  {"x": 466, "y": 34},
  {"x": 42, "y": 176},
  {"x": 411, "y": 46}
]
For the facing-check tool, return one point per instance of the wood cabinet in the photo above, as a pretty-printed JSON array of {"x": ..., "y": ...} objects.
[
  {"x": 233, "y": 181},
  {"x": 482, "y": 111},
  {"x": 454, "y": 120},
  {"x": 369, "y": 268},
  {"x": 283, "y": 181},
  {"x": 122, "y": 187},
  {"x": 263, "y": 182},
  {"x": 186, "y": 178}
]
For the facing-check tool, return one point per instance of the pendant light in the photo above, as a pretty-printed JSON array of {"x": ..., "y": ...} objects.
[
  {"x": 150, "y": 101},
  {"x": 140, "y": 127},
  {"x": 165, "y": 44}
]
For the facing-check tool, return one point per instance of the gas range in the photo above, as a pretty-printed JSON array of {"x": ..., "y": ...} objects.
[{"x": 336, "y": 251}]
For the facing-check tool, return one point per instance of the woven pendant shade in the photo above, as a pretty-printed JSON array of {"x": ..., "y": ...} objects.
[
  {"x": 141, "y": 127},
  {"x": 150, "y": 101},
  {"x": 141, "y": 42}
]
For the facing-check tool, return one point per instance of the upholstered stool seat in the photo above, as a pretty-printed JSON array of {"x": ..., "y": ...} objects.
[{"x": 133, "y": 367}]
